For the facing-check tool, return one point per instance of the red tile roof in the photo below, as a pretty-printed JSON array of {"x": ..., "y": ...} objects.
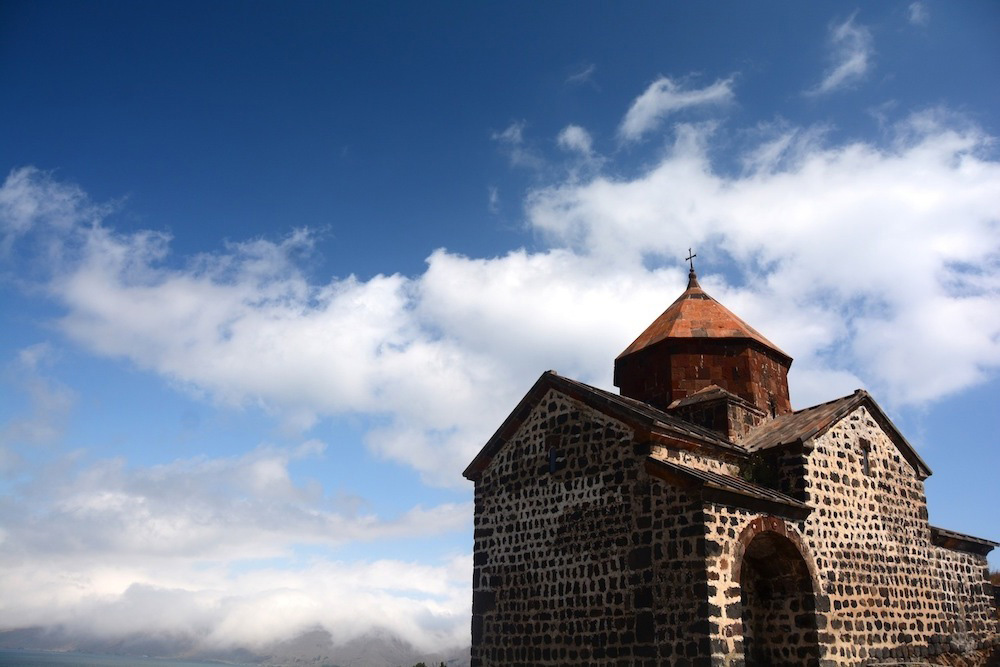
[{"x": 697, "y": 315}]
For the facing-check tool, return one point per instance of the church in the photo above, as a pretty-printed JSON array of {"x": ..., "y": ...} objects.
[{"x": 696, "y": 519}]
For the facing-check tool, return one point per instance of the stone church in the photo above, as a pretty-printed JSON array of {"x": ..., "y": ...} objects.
[{"x": 696, "y": 519}]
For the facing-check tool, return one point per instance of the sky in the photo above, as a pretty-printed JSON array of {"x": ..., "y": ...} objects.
[{"x": 272, "y": 273}]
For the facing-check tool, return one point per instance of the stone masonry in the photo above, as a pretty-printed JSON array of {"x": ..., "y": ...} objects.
[{"x": 705, "y": 523}]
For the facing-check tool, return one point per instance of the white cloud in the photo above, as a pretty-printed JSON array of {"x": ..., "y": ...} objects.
[
  {"x": 512, "y": 142},
  {"x": 837, "y": 239},
  {"x": 208, "y": 550},
  {"x": 215, "y": 608},
  {"x": 575, "y": 138},
  {"x": 664, "y": 97},
  {"x": 207, "y": 509},
  {"x": 872, "y": 264},
  {"x": 851, "y": 52},
  {"x": 918, "y": 13},
  {"x": 49, "y": 404},
  {"x": 493, "y": 194},
  {"x": 584, "y": 75}
]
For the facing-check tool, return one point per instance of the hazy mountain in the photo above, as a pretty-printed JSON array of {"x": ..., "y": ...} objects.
[{"x": 379, "y": 648}]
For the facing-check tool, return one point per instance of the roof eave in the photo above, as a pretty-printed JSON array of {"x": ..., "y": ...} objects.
[
  {"x": 768, "y": 347},
  {"x": 949, "y": 539},
  {"x": 616, "y": 407},
  {"x": 862, "y": 397},
  {"x": 756, "y": 502}
]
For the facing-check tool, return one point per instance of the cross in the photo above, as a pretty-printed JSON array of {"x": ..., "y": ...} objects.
[{"x": 690, "y": 258}]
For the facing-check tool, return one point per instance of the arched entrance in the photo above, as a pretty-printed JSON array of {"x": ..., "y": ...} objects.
[{"x": 778, "y": 603}]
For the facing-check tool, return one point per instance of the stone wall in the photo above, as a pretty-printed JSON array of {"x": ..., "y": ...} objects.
[
  {"x": 888, "y": 586},
  {"x": 694, "y": 459},
  {"x": 960, "y": 613},
  {"x": 556, "y": 538},
  {"x": 746, "y": 551},
  {"x": 582, "y": 558},
  {"x": 881, "y": 592},
  {"x": 676, "y": 575}
]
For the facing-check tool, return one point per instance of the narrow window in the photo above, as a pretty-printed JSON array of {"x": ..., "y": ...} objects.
[
  {"x": 552, "y": 441},
  {"x": 866, "y": 464}
]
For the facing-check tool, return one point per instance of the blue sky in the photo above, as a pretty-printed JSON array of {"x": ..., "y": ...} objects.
[{"x": 272, "y": 273}]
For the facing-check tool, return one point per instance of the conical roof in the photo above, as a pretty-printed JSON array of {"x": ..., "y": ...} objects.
[{"x": 697, "y": 315}]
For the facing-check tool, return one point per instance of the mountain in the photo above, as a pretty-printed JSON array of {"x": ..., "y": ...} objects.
[{"x": 315, "y": 648}]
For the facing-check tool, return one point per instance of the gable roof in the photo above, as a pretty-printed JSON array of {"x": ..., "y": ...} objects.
[
  {"x": 803, "y": 425},
  {"x": 644, "y": 418},
  {"x": 697, "y": 315}
]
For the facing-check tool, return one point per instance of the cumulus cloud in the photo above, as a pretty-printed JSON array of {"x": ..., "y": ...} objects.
[
  {"x": 851, "y": 54},
  {"x": 840, "y": 240},
  {"x": 873, "y": 264},
  {"x": 664, "y": 97},
  {"x": 110, "y": 550},
  {"x": 215, "y": 608},
  {"x": 215, "y": 509},
  {"x": 439, "y": 359},
  {"x": 576, "y": 139},
  {"x": 833, "y": 241}
]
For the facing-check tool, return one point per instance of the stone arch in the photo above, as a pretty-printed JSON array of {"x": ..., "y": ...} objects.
[{"x": 778, "y": 595}]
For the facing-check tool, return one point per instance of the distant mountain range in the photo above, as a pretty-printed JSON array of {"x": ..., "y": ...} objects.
[{"x": 379, "y": 648}]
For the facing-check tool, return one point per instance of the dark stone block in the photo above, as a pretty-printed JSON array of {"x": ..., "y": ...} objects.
[
  {"x": 644, "y": 627},
  {"x": 640, "y": 558},
  {"x": 700, "y": 627},
  {"x": 483, "y": 601},
  {"x": 643, "y": 597},
  {"x": 477, "y": 629}
]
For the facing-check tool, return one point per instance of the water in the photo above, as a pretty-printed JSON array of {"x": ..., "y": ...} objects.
[{"x": 13, "y": 658}]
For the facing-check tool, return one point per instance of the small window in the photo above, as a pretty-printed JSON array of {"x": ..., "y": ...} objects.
[
  {"x": 552, "y": 442},
  {"x": 866, "y": 464}
]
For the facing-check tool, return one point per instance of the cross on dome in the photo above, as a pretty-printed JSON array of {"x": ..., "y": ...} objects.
[{"x": 692, "y": 276}]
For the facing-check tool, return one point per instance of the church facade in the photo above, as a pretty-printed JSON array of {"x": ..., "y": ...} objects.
[{"x": 695, "y": 519}]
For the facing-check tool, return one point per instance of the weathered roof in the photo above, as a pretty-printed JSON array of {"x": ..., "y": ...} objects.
[
  {"x": 643, "y": 417},
  {"x": 729, "y": 490},
  {"x": 712, "y": 392},
  {"x": 803, "y": 425},
  {"x": 949, "y": 539},
  {"x": 660, "y": 421},
  {"x": 697, "y": 315}
]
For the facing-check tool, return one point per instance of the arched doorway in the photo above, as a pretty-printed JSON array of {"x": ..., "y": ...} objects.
[{"x": 778, "y": 603}]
